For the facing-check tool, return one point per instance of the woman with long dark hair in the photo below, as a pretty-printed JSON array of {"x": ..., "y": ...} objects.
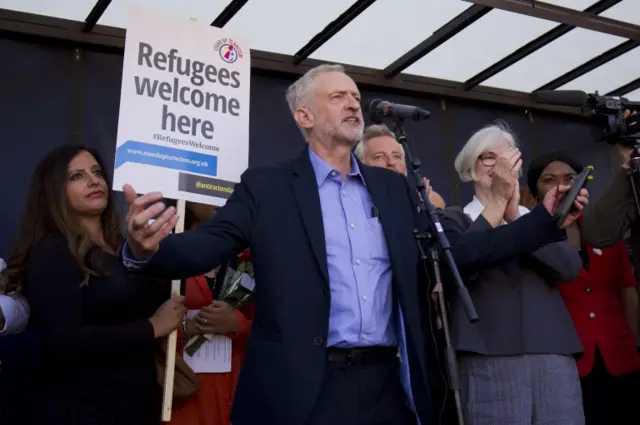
[{"x": 97, "y": 324}]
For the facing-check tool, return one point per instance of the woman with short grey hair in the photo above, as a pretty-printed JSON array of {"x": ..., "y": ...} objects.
[
  {"x": 516, "y": 362},
  {"x": 483, "y": 147}
]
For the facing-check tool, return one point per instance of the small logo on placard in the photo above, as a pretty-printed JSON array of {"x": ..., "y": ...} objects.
[{"x": 229, "y": 50}]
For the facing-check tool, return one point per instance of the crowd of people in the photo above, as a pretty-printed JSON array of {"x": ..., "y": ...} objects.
[{"x": 341, "y": 326}]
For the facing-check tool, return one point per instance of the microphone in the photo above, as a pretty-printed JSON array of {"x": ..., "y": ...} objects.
[
  {"x": 379, "y": 109},
  {"x": 560, "y": 97}
]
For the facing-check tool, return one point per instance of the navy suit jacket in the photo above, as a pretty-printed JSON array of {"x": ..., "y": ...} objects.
[{"x": 275, "y": 211}]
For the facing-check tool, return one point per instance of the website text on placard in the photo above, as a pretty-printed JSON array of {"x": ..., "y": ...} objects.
[
  {"x": 198, "y": 73},
  {"x": 164, "y": 157}
]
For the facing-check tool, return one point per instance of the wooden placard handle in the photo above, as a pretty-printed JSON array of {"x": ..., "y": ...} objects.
[{"x": 172, "y": 341}]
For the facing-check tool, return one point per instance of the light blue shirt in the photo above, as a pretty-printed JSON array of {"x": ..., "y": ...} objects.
[
  {"x": 357, "y": 259},
  {"x": 362, "y": 312}
]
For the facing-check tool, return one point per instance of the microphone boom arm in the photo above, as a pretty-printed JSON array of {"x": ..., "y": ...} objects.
[
  {"x": 436, "y": 227},
  {"x": 433, "y": 257}
]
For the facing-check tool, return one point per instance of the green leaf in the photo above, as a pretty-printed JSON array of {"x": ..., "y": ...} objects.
[{"x": 242, "y": 268}]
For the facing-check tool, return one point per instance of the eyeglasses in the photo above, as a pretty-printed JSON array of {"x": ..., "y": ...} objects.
[
  {"x": 488, "y": 159},
  {"x": 552, "y": 180}
]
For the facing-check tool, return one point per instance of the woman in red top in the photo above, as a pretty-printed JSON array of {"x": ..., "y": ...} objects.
[
  {"x": 212, "y": 404},
  {"x": 603, "y": 303}
]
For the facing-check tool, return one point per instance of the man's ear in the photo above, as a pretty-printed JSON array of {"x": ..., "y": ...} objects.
[{"x": 304, "y": 118}]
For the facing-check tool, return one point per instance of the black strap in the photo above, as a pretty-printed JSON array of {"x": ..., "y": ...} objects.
[{"x": 215, "y": 284}]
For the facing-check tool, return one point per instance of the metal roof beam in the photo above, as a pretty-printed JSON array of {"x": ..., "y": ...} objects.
[
  {"x": 332, "y": 29},
  {"x": 589, "y": 66},
  {"x": 627, "y": 88},
  {"x": 564, "y": 15},
  {"x": 439, "y": 37},
  {"x": 533, "y": 46},
  {"x": 95, "y": 15},
  {"x": 229, "y": 12},
  {"x": 64, "y": 33}
]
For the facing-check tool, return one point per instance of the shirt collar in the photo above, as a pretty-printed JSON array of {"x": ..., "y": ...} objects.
[
  {"x": 322, "y": 169},
  {"x": 474, "y": 208}
]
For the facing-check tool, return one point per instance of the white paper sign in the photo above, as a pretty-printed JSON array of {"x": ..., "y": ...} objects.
[
  {"x": 183, "y": 127},
  {"x": 213, "y": 356}
]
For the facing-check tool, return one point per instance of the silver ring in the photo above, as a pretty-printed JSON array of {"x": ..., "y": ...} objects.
[{"x": 204, "y": 321}]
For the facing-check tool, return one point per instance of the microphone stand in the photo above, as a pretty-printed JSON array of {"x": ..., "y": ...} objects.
[{"x": 433, "y": 259}]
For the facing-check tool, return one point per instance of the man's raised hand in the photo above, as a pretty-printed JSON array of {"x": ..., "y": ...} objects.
[{"x": 143, "y": 238}]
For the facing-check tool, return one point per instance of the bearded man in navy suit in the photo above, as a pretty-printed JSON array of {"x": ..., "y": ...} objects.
[{"x": 339, "y": 334}]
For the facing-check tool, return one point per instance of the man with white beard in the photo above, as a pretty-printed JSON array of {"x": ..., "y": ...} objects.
[{"x": 336, "y": 270}]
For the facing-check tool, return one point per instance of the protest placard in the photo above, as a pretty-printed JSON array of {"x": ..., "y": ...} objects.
[{"x": 183, "y": 126}]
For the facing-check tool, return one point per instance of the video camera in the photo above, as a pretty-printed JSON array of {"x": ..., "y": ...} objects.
[{"x": 607, "y": 111}]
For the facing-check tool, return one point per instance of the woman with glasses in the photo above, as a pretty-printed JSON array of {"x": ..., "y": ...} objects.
[
  {"x": 603, "y": 303},
  {"x": 516, "y": 362}
]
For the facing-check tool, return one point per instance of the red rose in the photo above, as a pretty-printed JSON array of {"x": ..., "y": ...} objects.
[{"x": 244, "y": 256}]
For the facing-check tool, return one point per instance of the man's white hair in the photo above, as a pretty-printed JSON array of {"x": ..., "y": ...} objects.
[
  {"x": 484, "y": 139},
  {"x": 371, "y": 132},
  {"x": 300, "y": 93}
]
